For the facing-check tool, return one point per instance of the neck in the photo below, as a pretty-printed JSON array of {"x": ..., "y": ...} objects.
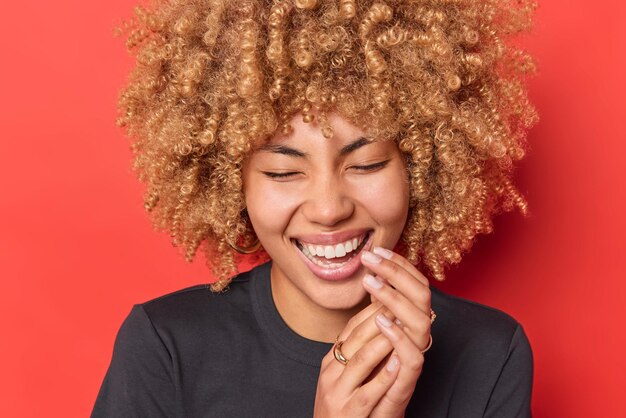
[{"x": 308, "y": 319}]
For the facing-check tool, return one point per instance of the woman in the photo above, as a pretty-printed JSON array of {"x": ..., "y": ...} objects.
[{"x": 347, "y": 142}]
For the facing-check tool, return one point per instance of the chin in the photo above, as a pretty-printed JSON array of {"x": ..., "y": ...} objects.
[{"x": 341, "y": 299}]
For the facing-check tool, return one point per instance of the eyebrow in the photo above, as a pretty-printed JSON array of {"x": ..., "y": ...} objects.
[
  {"x": 284, "y": 150},
  {"x": 354, "y": 145},
  {"x": 292, "y": 152}
]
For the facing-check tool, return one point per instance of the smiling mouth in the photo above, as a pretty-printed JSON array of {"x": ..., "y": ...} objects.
[{"x": 333, "y": 256}]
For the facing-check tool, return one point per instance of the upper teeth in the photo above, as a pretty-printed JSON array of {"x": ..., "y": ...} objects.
[{"x": 332, "y": 251}]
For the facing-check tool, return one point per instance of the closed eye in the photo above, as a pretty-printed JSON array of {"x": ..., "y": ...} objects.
[
  {"x": 363, "y": 168},
  {"x": 370, "y": 167},
  {"x": 283, "y": 175}
]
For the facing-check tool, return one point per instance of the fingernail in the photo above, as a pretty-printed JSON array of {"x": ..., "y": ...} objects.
[
  {"x": 384, "y": 321},
  {"x": 372, "y": 281},
  {"x": 383, "y": 252},
  {"x": 393, "y": 363},
  {"x": 398, "y": 322},
  {"x": 370, "y": 258}
]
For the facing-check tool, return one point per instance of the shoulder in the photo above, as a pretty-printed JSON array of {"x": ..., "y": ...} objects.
[
  {"x": 200, "y": 291},
  {"x": 471, "y": 325},
  {"x": 468, "y": 311},
  {"x": 197, "y": 308},
  {"x": 484, "y": 348},
  {"x": 158, "y": 336}
]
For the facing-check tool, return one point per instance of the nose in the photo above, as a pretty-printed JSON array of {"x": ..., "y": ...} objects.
[{"x": 328, "y": 202}]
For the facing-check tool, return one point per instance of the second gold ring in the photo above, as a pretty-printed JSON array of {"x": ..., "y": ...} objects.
[{"x": 338, "y": 354}]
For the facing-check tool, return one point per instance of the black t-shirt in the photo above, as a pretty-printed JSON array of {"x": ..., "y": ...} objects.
[{"x": 194, "y": 353}]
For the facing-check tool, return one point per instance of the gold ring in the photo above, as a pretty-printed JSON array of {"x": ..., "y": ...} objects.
[
  {"x": 338, "y": 354},
  {"x": 430, "y": 343}
]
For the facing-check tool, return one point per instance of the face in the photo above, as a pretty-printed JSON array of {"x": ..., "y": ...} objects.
[{"x": 315, "y": 203}]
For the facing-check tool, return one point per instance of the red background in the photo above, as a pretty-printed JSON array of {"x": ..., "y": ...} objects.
[{"x": 77, "y": 249}]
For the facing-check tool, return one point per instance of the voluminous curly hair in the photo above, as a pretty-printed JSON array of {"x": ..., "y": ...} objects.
[{"x": 437, "y": 76}]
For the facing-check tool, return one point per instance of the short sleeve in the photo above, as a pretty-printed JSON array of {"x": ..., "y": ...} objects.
[
  {"x": 512, "y": 392},
  {"x": 139, "y": 380}
]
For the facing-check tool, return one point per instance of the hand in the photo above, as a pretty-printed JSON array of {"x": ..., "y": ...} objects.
[
  {"x": 346, "y": 391},
  {"x": 365, "y": 387},
  {"x": 408, "y": 297}
]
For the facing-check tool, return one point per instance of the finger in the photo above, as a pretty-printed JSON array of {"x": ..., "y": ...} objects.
[
  {"x": 362, "y": 363},
  {"x": 358, "y": 331},
  {"x": 397, "y": 258},
  {"x": 372, "y": 297},
  {"x": 414, "y": 321},
  {"x": 359, "y": 318},
  {"x": 363, "y": 332},
  {"x": 402, "y": 280},
  {"x": 372, "y": 392},
  {"x": 400, "y": 273},
  {"x": 411, "y": 364}
]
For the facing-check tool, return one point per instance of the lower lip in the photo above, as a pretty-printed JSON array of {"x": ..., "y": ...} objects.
[{"x": 339, "y": 273}]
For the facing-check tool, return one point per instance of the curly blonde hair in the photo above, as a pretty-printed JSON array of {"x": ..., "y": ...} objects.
[{"x": 436, "y": 76}]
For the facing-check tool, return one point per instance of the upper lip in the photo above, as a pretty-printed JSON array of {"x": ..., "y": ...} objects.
[{"x": 331, "y": 239}]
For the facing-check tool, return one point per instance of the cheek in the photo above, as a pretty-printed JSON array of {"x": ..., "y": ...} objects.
[
  {"x": 267, "y": 207},
  {"x": 270, "y": 208},
  {"x": 387, "y": 200}
]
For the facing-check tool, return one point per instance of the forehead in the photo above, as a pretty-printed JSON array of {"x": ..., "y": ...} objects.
[{"x": 342, "y": 130}]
